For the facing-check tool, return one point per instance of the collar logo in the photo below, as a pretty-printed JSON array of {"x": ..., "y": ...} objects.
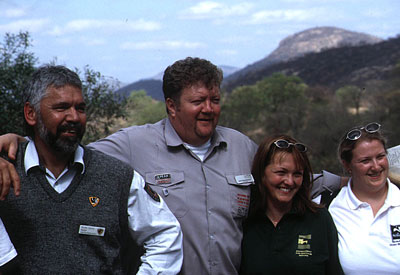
[{"x": 94, "y": 201}]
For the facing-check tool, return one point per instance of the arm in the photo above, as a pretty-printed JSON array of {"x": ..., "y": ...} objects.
[
  {"x": 327, "y": 181},
  {"x": 153, "y": 225},
  {"x": 8, "y": 174}
]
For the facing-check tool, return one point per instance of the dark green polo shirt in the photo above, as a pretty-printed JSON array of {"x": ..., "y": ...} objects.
[{"x": 300, "y": 244}]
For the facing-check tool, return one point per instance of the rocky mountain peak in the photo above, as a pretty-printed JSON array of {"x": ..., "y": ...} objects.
[
  {"x": 312, "y": 40},
  {"x": 318, "y": 39}
]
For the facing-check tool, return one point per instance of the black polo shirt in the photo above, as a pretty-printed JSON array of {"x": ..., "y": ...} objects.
[{"x": 300, "y": 244}]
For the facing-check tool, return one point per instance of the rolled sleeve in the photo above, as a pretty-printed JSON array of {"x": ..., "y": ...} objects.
[
  {"x": 152, "y": 224},
  {"x": 7, "y": 250}
]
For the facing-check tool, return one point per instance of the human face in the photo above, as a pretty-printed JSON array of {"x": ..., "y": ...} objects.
[
  {"x": 62, "y": 119},
  {"x": 369, "y": 166},
  {"x": 196, "y": 114},
  {"x": 282, "y": 179}
]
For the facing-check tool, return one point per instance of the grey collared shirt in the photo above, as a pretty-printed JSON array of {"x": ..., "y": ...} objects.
[{"x": 209, "y": 198}]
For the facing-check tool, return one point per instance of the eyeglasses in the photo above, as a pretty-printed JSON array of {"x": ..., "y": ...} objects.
[
  {"x": 284, "y": 144},
  {"x": 355, "y": 134}
]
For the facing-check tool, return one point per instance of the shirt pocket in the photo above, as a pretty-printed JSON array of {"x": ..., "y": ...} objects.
[
  {"x": 171, "y": 186},
  {"x": 239, "y": 188}
]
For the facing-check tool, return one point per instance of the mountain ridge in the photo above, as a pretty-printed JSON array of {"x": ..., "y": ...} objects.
[{"x": 307, "y": 41}]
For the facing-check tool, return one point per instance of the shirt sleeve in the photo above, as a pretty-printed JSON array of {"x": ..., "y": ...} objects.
[
  {"x": 7, "y": 250},
  {"x": 325, "y": 181},
  {"x": 152, "y": 224},
  {"x": 114, "y": 145}
]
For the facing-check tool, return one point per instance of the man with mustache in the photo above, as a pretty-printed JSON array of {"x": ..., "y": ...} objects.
[
  {"x": 201, "y": 169},
  {"x": 79, "y": 210}
]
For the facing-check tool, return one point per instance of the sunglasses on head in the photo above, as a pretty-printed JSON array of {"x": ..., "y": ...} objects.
[
  {"x": 355, "y": 134},
  {"x": 284, "y": 144}
]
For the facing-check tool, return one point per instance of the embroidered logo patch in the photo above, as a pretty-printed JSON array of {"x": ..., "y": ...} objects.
[
  {"x": 395, "y": 230},
  {"x": 153, "y": 194},
  {"x": 243, "y": 201},
  {"x": 304, "y": 246},
  {"x": 94, "y": 201}
]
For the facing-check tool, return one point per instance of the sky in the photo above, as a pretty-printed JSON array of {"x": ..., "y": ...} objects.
[{"x": 138, "y": 39}]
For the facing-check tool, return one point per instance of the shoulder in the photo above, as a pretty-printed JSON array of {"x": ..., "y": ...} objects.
[
  {"x": 234, "y": 136},
  {"x": 321, "y": 214},
  {"x": 340, "y": 200},
  {"x": 138, "y": 130},
  {"x": 99, "y": 159}
]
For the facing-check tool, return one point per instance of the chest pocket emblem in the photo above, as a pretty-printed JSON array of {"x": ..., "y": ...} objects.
[{"x": 94, "y": 201}]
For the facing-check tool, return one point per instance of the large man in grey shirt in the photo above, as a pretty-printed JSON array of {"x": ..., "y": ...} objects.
[{"x": 202, "y": 171}]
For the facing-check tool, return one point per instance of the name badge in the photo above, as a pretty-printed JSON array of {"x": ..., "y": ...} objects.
[
  {"x": 163, "y": 178},
  {"x": 92, "y": 230},
  {"x": 244, "y": 178}
]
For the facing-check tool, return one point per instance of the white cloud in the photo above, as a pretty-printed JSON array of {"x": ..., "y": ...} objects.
[
  {"x": 32, "y": 25},
  {"x": 12, "y": 13},
  {"x": 215, "y": 10},
  {"x": 105, "y": 25},
  {"x": 268, "y": 16},
  {"x": 161, "y": 45}
]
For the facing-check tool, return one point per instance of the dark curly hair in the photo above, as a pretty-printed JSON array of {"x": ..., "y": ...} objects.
[{"x": 187, "y": 72}]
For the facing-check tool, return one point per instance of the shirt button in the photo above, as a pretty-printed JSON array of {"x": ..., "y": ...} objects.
[{"x": 165, "y": 192}]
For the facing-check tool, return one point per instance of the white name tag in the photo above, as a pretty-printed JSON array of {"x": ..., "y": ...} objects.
[
  {"x": 244, "y": 178},
  {"x": 92, "y": 230}
]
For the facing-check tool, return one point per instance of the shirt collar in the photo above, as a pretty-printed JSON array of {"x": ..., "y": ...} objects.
[
  {"x": 391, "y": 197},
  {"x": 172, "y": 138},
  {"x": 31, "y": 157}
]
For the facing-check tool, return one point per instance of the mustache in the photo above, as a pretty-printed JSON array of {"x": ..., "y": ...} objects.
[{"x": 71, "y": 126}]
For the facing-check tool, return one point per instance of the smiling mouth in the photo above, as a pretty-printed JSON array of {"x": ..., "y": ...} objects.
[
  {"x": 71, "y": 132},
  {"x": 285, "y": 189},
  {"x": 375, "y": 175}
]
